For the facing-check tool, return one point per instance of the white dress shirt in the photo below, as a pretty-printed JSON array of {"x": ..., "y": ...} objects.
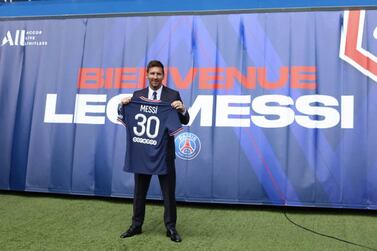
[
  {"x": 158, "y": 91},
  {"x": 150, "y": 93}
]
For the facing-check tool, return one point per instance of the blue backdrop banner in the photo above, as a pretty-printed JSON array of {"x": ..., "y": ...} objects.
[{"x": 283, "y": 105}]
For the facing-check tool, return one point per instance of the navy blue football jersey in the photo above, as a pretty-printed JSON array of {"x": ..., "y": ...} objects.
[{"x": 149, "y": 124}]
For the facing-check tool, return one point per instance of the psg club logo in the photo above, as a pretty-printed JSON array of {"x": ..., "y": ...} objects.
[{"x": 187, "y": 146}]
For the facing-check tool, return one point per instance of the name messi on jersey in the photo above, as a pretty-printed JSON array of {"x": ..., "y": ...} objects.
[{"x": 149, "y": 109}]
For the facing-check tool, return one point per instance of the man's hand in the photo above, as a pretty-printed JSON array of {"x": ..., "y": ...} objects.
[
  {"x": 178, "y": 105},
  {"x": 125, "y": 100}
]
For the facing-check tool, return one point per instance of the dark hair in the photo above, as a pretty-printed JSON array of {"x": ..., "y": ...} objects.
[{"x": 155, "y": 63}]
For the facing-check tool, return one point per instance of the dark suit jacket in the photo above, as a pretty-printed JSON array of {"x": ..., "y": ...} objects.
[{"x": 167, "y": 95}]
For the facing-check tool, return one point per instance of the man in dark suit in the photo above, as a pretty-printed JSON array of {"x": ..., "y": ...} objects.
[{"x": 155, "y": 76}]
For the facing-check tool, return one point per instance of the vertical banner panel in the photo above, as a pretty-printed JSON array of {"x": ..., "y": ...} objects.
[{"x": 282, "y": 105}]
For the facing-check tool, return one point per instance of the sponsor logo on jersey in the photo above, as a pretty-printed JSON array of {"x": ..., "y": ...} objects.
[
  {"x": 187, "y": 146},
  {"x": 144, "y": 141}
]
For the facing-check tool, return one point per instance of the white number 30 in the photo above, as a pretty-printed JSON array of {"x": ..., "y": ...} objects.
[{"x": 144, "y": 126}]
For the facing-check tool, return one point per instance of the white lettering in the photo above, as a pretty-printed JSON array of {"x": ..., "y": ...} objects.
[
  {"x": 266, "y": 111},
  {"x": 112, "y": 107},
  {"x": 347, "y": 112},
  {"x": 329, "y": 117},
  {"x": 50, "y": 111},
  {"x": 19, "y": 38},
  {"x": 285, "y": 115},
  {"x": 82, "y": 108},
  {"x": 224, "y": 109},
  {"x": 148, "y": 109},
  {"x": 144, "y": 141},
  {"x": 7, "y": 39},
  {"x": 204, "y": 104}
]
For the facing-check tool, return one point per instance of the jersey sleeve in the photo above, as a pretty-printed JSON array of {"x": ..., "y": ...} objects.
[
  {"x": 173, "y": 124},
  {"x": 121, "y": 114}
]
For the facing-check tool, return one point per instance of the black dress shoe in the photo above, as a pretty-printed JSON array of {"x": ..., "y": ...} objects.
[
  {"x": 173, "y": 234},
  {"x": 131, "y": 232}
]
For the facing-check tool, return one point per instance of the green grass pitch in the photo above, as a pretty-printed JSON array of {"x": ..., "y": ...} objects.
[{"x": 30, "y": 221}]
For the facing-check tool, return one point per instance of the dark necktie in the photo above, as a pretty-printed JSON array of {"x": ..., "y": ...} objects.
[{"x": 154, "y": 95}]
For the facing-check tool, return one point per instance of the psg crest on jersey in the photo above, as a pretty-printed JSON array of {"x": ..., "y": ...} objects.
[{"x": 187, "y": 145}]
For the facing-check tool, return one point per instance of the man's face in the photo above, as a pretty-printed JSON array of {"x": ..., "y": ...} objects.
[{"x": 155, "y": 75}]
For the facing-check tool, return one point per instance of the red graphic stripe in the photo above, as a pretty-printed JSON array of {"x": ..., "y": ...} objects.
[
  {"x": 150, "y": 100},
  {"x": 351, "y": 44},
  {"x": 121, "y": 121},
  {"x": 176, "y": 131},
  {"x": 265, "y": 165}
]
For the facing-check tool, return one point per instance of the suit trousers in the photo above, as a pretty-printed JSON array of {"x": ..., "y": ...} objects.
[{"x": 167, "y": 184}]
